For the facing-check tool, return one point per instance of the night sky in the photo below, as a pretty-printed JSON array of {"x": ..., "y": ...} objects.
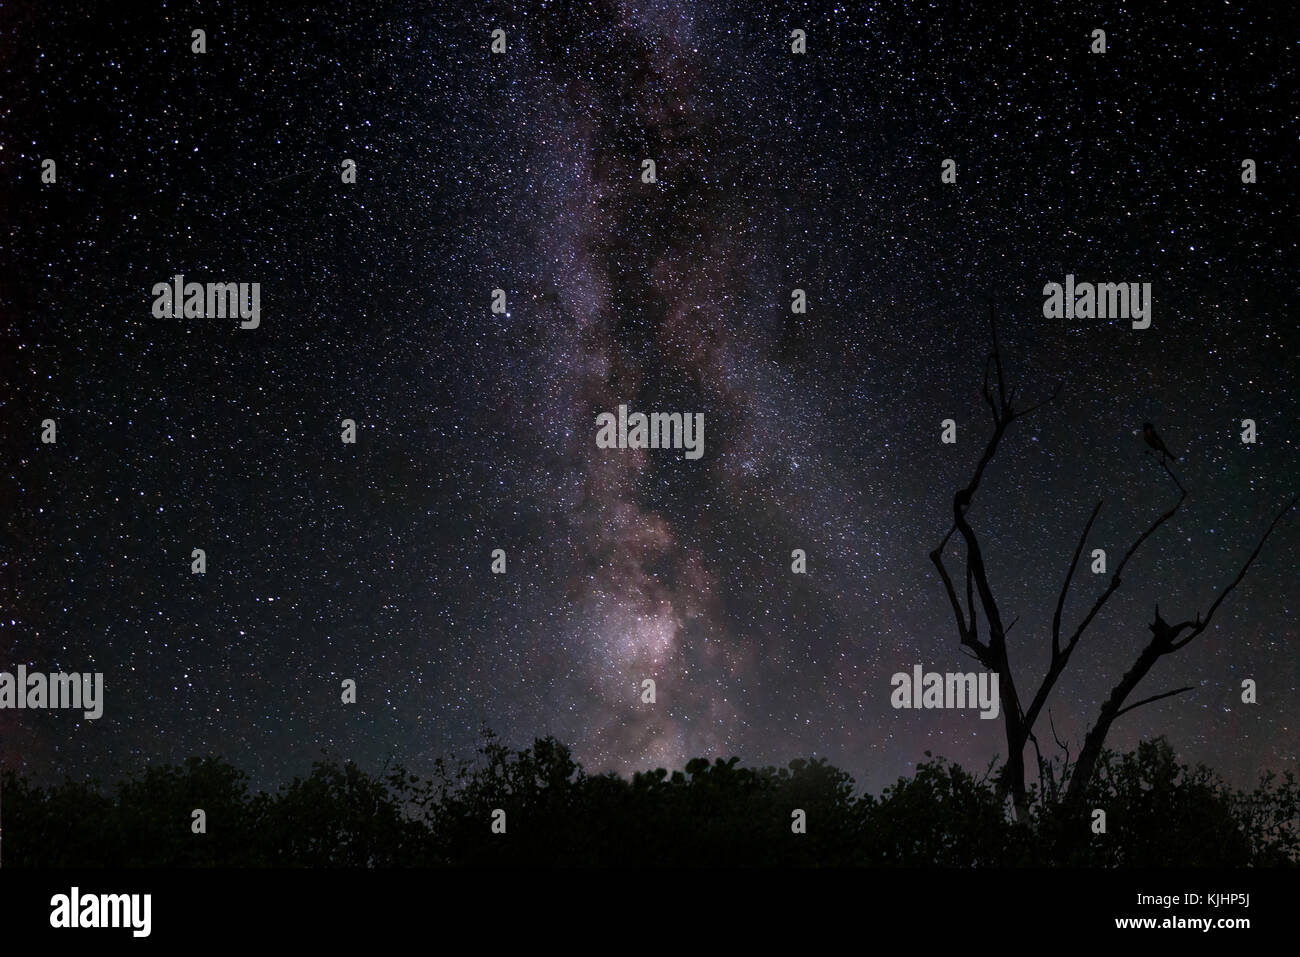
[{"x": 522, "y": 171}]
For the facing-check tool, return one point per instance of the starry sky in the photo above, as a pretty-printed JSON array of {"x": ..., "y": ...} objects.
[{"x": 522, "y": 171}]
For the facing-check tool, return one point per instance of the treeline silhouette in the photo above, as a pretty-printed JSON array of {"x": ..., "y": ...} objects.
[{"x": 1158, "y": 813}]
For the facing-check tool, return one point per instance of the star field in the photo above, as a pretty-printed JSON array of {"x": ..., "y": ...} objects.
[{"x": 522, "y": 171}]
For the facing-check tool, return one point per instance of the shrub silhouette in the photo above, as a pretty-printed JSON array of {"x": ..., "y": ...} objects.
[{"x": 1159, "y": 813}]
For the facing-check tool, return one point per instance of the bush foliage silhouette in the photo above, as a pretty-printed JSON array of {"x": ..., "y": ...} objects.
[{"x": 1159, "y": 813}]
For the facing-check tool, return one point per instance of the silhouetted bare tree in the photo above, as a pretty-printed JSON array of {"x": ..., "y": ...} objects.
[{"x": 1019, "y": 721}]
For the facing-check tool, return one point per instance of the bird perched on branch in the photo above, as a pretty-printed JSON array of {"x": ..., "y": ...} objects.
[{"x": 1152, "y": 439}]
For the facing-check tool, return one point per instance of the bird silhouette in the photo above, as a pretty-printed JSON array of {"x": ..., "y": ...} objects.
[{"x": 1152, "y": 439}]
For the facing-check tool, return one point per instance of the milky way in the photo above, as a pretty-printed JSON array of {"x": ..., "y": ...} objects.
[{"x": 523, "y": 171}]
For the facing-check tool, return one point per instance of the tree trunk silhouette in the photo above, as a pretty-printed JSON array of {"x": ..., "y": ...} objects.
[{"x": 993, "y": 654}]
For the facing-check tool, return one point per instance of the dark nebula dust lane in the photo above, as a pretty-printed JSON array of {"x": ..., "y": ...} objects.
[{"x": 524, "y": 172}]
